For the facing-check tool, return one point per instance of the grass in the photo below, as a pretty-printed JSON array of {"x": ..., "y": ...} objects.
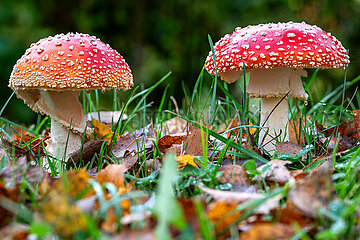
[{"x": 212, "y": 105}]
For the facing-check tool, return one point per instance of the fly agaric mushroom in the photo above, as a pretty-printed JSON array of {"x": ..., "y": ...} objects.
[
  {"x": 51, "y": 74},
  {"x": 275, "y": 55}
]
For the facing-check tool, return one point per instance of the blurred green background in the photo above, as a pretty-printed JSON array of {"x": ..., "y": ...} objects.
[{"x": 165, "y": 35}]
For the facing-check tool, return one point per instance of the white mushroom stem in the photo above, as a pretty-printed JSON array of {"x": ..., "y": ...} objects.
[
  {"x": 276, "y": 124},
  {"x": 63, "y": 142},
  {"x": 65, "y": 111},
  {"x": 271, "y": 85}
]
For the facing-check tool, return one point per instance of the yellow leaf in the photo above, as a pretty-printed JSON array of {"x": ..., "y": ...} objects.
[
  {"x": 184, "y": 160},
  {"x": 103, "y": 132},
  {"x": 63, "y": 214}
]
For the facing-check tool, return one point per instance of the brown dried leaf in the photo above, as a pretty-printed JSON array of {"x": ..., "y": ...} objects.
[
  {"x": 350, "y": 132},
  {"x": 268, "y": 231},
  {"x": 314, "y": 191},
  {"x": 287, "y": 147},
  {"x": 241, "y": 197},
  {"x": 294, "y": 130},
  {"x": 175, "y": 125},
  {"x": 153, "y": 165},
  {"x": 85, "y": 154},
  {"x": 184, "y": 160},
  {"x": 193, "y": 142},
  {"x": 103, "y": 132},
  {"x": 291, "y": 215},
  {"x": 14, "y": 231},
  {"x": 114, "y": 174},
  {"x": 14, "y": 174},
  {"x": 168, "y": 141},
  {"x": 236, "y": 175},
  {"x": 277, "y": 172},
  {"x": 132, "y": 141},
  {"x": 25, "y": 140},
  {"x": 190, "y": 213},
  {"x": 7, "y": 195},
  {"x": 223, "y": 214}
]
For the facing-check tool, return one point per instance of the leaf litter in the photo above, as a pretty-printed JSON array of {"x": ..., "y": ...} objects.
[{"x": 248, "y": 200}]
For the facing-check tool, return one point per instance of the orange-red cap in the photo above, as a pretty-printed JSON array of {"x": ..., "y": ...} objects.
[
  {"x": 291, "y": 45},
  {"x": 72, "y": 61}
]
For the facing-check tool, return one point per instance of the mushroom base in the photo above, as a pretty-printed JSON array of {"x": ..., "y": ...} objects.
[
  {"x": 276, "y": 124},
  {"x": 62, "y": 143}
]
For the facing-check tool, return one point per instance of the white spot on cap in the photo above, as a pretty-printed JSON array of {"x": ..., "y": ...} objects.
[
  {"x": 245, "y": 46},
  {"x": 290, "y": 35},
  {"x": 40, "y": 49},
  {"x": 45, "y": 57},
  {"x": 71, "y": 63}
]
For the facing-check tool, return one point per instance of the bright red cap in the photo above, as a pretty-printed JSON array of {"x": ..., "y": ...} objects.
[
  {"x": 71, "y": 62},
  {"x": 289, "y": 45}
]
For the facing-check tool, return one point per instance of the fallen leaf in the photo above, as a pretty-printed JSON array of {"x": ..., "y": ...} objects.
[
  {"x": 350, "y": 132},
  {"x": 277, "y": 171},
  {"x": 14, "y": 174},
  {"x": 223, "y": 215},
  {"x": 184, "y": 160},
  {"x": 288, "y": 147},
  {"x": 74, "y": 183},
  {"x": 168, "y": 141},
  {"x": 14, "y": 231},
  {"x": 236, "y": 175},
  {"x": 174, "y": 126},
  {"x": 103, "y": 132},
  {"x": 268, "y": 231},
  {"x": 294, "y": 128},
  {"x": 132, "y": 143},
  {"x": 114, "y": 173},
  {"x": 193, "y": 141},
  {"x": 153, "y": 164},
  {"x": 241, "y": 197},
  {"x": 190, "y": 212},
  {"x": 129, "y": 160},
  {"x": 314, "y": 191},
  {"x": 26, "y": 141},
  {"x": 84, "y": 154},
  {"x": 291, "y": 215},
  {"x": 7, "y": 195},
  {"x": 61, "y": 212}
]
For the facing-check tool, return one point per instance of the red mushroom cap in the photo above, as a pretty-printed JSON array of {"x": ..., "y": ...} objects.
[
  {"x": 71, "y": 62},
  {"x": 289, "y": 45}
]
